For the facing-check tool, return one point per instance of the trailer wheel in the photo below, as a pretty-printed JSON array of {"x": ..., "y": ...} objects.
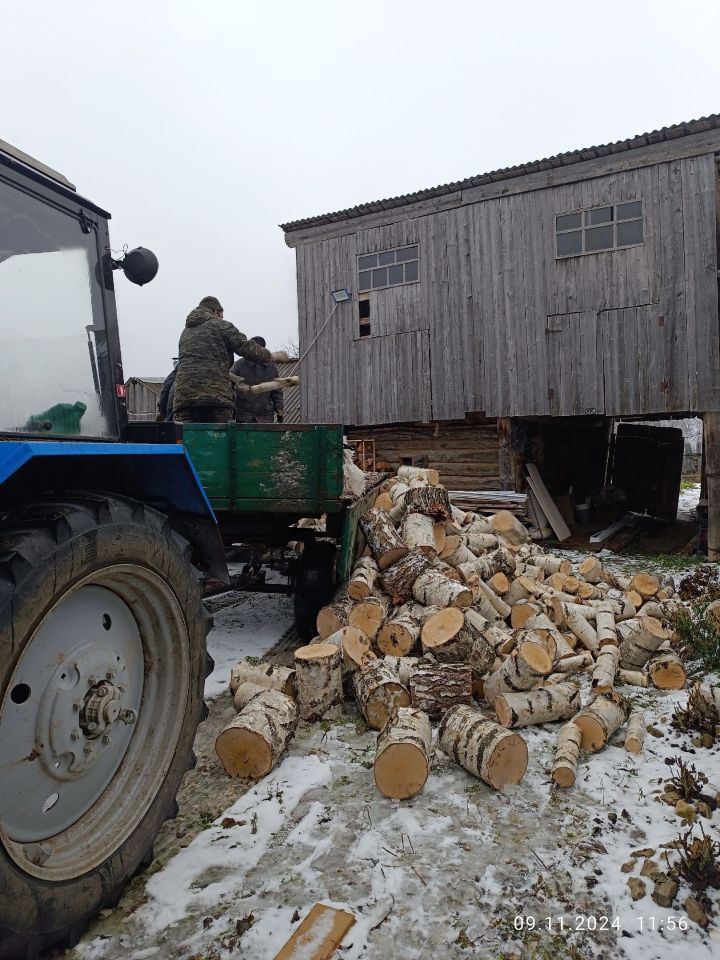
[
  {"x": 102, "y": 665},
  {"x": 314, "y": 586}
]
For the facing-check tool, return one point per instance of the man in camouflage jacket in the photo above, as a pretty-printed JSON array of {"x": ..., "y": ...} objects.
[{"x": 208, "y": 344}]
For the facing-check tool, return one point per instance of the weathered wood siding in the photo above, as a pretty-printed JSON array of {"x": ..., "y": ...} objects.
[
  {"x": 466, "y": 454},
  {"x": 497, "y": 324}
]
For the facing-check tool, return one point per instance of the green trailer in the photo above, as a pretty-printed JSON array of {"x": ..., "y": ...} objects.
[{"x": 261, "y": 479}]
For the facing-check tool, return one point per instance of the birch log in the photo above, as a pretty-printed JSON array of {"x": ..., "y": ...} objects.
[
  {"x": 515, "y": 674},
  {"x": 405, "y": 667},
  {"x": 482, "y": 747},
  {"x": 319, "y": 681},
  {"x": 606, "y": 667},
  {"x": 564, "y": 770},
  {"x": 600, "y": 719},
  {"x": 575, "y": 663},
  {"x": 502, "y": 608},
  {"x": 559, "y": 702},
  {"x": 401, "y": 758},
  {"x": 334, "y": 616},
  {"x": 419, "y": 473},
  {"x": 399, "y": 579},
  {"x": 266, "y": 675},
  {"x": 591, "y": 570},
  {"x": 552, "y": 565},
  {"x": 385, "y": 543},
  {"x": 635, "y": 678},
  {"x": 582, "y": 630},
  {"x": 645, "y": 584},
  {"x": 666, "y": 671},
  {"x": 480, "y": 540},
  {"x": 434, "y": 589},
  {"x": 635, "y": 733},
  {"x": 524, "y": 611},
  {"x": 378, "y": 692},
  {"x": 605, "y": 625},
  {"x": 246, "y": 692},
  {"x": 499, "y": 584},
  {"x": 459, "y": 556},
  {"x": 399, "y": 635},
  {"x": 508, "y": 526},
  {"x": 435, "y": 688},
  {"x": 432, "y": 501},
  {"x": 417, "y": 530},
  {"x": 362, "y": 579},
  {"x": 370, "y": 614},
  {"x": 252, "y": 742},
  {"x": 643, "y": 639},
  {"x": 354, "y": 645}
]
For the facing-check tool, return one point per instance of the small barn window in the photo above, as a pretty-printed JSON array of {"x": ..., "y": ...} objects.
[
  {"x": 388, "y": 269},
  {"x": 601, "y": 228}
]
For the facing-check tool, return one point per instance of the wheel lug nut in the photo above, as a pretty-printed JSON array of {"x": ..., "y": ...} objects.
[
  {"x": 92, "y": 680},
  {"x": 107, "y": 739},
  {"x": 75, "y": 735},
  {"x": 109, "y": 675},
  {"x": 88, "y": 748}
]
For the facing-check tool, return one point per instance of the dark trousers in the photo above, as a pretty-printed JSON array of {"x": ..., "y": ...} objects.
[{"x": 204, "y": 414}]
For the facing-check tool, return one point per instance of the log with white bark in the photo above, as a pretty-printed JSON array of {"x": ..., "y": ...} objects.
[
  {"x": 606, "y": 666},
  {"x": 508, "y": 526},
  {"x": 439, "y": 566},
  {"x": 499, "y": 584},
  {"x": 518, "y": 591},
  {"x": 497, "y": 603},
  {"x": 399, "y": 579},
  {"x": 519, "y": 672},
  {"x": 634, "y": 678},
  {"x": 432, "y": 588},
  {"x": 589, "y": 591},
  {"x": 641, "y": 642},
  {"x": 461, "y": 555},
  {"x": 524, "y": 611},
  {"x": 252, "y": 742},
  {"x": 582, "y": 630},
  {"x": 482, "y": 747},
  {"x": 557, "y": 581},
  {"x": 405, "y": 667},
  {"x": 536, "y": 574},
  {"x": 246, "y": 692},
  {"x": 544, "y": 627},
  {"x": 362, "y": 579},
  {"x": 378, "y": 692},
  {"x": 267, "y": 675},
  {"x": 436, "y": 687},
  {"x": 267, "y": 386},
  {"x": 497, "y": 561},
  {"x": 399, "y": 635},
  {"x": 635, "y": 599},
  {"x": 564, "y": 770},
  {"x": 591, "y": 570},
  {"x": 319, "y": 681},
  {"x": 439, "y": 536},
  {"x": 600, "y": 719},
  {"x": 707, "y": 698},
  {"x": 452, "y": 542},
  {"x": 418, "y": 532},
  {"x": 500, "y": 638},
  {"x": 432, "y": 501},
  {"x": 419, "y": 473},
  {"x": 383, "y": 502},
  {"x": 483, "y": 605},
  {"x": 370, "y": 614},
  {"x": 354, "y": 645},
  {"x": 402, "y": 755},
  {"x": 561, "y": 609},
  {"x": 553, "y": 565},
  {"x": 666, "y": 671},
  {"x": 384, "y": 541},
  {"x": 571, "y": 585},
  {"x": 575, "y": 663},
  {"x": 635, "y": 733},
  {"x": 480, "y": 540},
  {"x": 645, "y": 584},
  {"x": 334, "y": 616},
  {"x": 558, "y": 702}
]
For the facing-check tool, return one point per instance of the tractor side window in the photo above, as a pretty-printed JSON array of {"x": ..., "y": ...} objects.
[{"x": 54, "y": 373}]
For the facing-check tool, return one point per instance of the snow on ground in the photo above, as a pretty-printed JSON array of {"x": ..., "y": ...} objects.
[
  {"x": 244, "y": 625},
  {"x": 689, "y": 499}
]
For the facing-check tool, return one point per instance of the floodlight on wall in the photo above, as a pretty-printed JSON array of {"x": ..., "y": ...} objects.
[{"x": 341, "y": 296}]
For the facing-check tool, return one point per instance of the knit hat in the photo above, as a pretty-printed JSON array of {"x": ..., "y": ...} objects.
[
  {"x": 260, "y": 340},
  {"x": 210, "y": 303}
]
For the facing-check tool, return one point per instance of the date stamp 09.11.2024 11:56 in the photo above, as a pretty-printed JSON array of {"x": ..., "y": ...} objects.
[{"x": 588, "y": 922}]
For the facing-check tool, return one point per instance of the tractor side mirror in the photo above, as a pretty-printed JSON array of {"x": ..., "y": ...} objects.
[{"x": 139, "y": 265}]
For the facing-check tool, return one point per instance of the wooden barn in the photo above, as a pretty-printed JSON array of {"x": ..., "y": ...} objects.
[{"x": 518, "y": 315}]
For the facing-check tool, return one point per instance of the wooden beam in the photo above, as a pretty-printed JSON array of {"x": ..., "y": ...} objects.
[
  {"x": 711, "y": 444},
  {"x": 318, "y": 936}
]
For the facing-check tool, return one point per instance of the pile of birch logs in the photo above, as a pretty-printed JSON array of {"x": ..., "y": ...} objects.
[{"x": 455, "y": 618}]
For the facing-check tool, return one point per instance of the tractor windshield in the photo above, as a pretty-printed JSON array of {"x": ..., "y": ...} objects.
[{"x": 55, "y": 376}]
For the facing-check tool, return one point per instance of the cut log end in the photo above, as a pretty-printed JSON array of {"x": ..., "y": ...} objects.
[
  {"x": 244, "y": 753},
  {"x": 508, "y": 762},
  {"x": 401, "y": 771}
]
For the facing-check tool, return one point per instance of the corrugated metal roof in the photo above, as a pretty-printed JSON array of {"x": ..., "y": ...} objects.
[
  {"x": 507, "y": 173},
  {"x": 291, "y": 395}
]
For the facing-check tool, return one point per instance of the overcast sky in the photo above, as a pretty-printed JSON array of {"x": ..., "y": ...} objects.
[{"x": 203, "y": 125}]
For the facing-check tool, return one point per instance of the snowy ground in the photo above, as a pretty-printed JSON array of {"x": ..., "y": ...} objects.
[{"x": 457, "y": 872}]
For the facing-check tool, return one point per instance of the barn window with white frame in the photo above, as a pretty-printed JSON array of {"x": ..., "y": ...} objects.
[
  {"x": 609, "y": 227},
  {"x": 389, "y": 268}
]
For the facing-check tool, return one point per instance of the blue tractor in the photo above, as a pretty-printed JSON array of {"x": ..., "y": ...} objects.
[{"x": 104, "y": 548}]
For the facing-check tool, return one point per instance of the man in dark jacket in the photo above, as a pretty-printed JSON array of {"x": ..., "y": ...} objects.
[
  {"x": 259, "y": 407},
  {"x": 203, "y": 389},
  {"x": 166, "y": 401}
]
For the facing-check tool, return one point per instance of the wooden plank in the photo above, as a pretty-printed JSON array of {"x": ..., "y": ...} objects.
[
  {"x": 547, "y": 503},
  {"x": 318, "y": 936}
]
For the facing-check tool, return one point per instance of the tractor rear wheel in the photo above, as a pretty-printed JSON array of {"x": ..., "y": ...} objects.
[
  {"x": 314, "y": 585},
  {"x": 102, "y": 665}
]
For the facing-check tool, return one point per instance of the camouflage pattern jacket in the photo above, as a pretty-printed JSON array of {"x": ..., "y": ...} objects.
[{"x": 206, "y": 352}]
